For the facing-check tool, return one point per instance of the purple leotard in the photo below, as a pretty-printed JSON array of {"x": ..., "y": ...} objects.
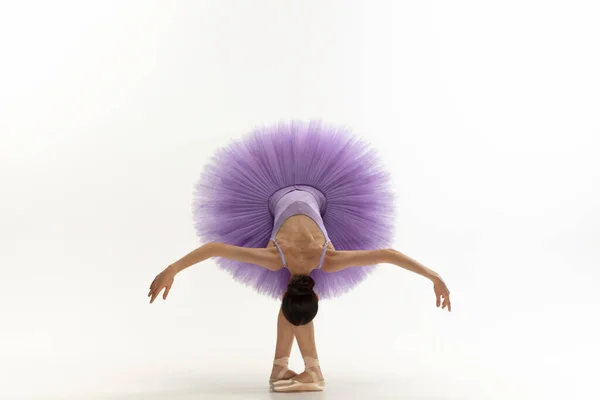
[{"x": 295, "y": 200}]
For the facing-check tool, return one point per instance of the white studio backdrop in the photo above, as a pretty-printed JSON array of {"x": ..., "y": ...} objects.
[{"x": 485, "y": 112}]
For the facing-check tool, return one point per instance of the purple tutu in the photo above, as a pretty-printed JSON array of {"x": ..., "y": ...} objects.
[{"x": 231, "y": 198}]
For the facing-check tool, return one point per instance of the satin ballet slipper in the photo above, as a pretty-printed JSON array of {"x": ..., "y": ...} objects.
[
  {"x": 292, "y": 385},
  {"x": 283, "y": 363}
]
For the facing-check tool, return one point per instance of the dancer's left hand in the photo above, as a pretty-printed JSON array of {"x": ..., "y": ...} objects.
[{"x": 164, "y": 280}]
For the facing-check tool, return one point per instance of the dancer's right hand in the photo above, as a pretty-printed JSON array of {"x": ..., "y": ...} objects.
[
  {"x": 164, "y": 280},
  {"x": 442, "y": 294}
]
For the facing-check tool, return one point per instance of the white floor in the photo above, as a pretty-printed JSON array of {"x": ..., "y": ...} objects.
[
  {"x": 240, "y": 387},
  {"x": 238, "y": 384},
  {"x": 237, "y": 387}
]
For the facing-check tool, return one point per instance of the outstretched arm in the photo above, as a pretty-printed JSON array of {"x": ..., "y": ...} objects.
[
  {"x": 265, "y": 257},
  {"x": 339, "y": 260}
]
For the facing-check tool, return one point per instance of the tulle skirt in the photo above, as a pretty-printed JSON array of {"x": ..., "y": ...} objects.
[{"x": 231, "y": 198}]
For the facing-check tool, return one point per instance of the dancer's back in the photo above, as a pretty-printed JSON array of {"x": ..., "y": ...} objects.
[
  {"x": 301, "y": 241},
  {"x": 299, "y": 232}
]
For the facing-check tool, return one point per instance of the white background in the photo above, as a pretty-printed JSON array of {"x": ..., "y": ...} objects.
[{"x": 487, "y": 114}]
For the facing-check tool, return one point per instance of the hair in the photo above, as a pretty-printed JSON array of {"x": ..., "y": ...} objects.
[{"x": 300, "y": 303}]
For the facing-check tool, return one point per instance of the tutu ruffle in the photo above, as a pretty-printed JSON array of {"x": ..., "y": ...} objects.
[{"x": 231, "y": 198}]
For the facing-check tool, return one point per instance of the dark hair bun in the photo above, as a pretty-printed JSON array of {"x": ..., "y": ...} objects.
[{"x": 301, "y": 285}]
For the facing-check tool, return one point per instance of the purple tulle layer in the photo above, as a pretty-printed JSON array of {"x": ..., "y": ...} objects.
[{"x": 231, "y": 198}]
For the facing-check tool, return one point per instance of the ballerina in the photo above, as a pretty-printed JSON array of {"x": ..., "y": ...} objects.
[{"x": 270, "y": 208}]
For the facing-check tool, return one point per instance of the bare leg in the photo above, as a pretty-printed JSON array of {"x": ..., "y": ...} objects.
[
  {"x": 305, "y": 336},
  {"x": 283, "y": 348}
]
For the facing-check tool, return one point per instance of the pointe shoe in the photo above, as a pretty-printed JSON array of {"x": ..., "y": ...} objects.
[
  {"x": 283, "y": 363},
  {"x": 292, "y": 385}
]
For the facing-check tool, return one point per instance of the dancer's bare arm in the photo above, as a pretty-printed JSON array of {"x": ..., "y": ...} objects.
[
  {"x": 265, "y": 257},
  {"x": 339, "y": 260}
]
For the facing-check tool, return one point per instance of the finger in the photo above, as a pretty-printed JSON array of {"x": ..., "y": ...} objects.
[
  {"x": 155, "y": 295},
  {"x": 438, "y": 300},
  {"x": 445, "y": 304},
  {"x": 449, "y": 304},
  {"x": 166, "y": 293}
]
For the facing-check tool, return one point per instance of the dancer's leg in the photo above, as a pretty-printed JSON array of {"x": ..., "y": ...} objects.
[
  {"x": 283, "y": 348},
  {"x": 305, "y": 336}
]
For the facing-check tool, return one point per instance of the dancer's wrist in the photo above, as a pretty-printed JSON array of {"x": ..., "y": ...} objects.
[{"x": 174, "y": 268}]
